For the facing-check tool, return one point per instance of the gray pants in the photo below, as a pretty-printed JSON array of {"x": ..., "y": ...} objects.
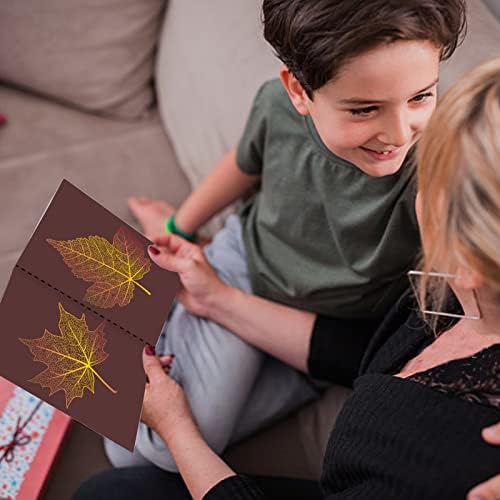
[{"x": 233, "y": 388}]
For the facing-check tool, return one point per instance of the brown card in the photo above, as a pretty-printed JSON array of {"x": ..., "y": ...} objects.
[{"x": 82, "y": 301}]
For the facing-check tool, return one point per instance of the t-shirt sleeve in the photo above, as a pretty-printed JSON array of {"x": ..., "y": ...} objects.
[
  {"x": 337, "y": 348},
  {"x": 250, "y": 151},
  {"x": 235, "y": 488}
]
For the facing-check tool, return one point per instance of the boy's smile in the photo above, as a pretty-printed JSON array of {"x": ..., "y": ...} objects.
[
  {"x": 382, "y": 154},
  {"x": 378, "y": 105}
]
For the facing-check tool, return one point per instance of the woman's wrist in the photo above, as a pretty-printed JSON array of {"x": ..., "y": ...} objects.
[
  {"x": 200, "y": 468},
  {"x": 178, "y": 433},
  {"x": 219, "y": 303}
]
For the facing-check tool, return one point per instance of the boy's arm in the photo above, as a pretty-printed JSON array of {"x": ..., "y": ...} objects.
[{"x": 223, "y": 185}]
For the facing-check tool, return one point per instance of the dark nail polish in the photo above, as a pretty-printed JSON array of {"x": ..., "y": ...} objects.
[
  {"x": 150, "y": 350},
  {"x": 153, "y": 250}
]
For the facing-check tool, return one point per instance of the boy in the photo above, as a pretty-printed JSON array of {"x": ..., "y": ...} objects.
[{"x": 331, "y": 230}]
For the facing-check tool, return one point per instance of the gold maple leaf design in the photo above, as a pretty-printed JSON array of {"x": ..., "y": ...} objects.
[
  {"x": 70, "y": 357},
  {"x": 115, "y": 268}
]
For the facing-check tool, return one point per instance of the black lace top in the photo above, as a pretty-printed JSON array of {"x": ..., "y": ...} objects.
[{"x": 475, "y": 378}]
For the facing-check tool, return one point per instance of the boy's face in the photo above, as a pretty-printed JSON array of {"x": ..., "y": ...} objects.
[{"x": 378, "y": 105}]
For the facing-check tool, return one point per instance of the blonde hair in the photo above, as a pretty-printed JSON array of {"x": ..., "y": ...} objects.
[{"x": 459, "y": 183}]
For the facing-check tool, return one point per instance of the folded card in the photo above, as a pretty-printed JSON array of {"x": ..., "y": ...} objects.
[{"x": 82, "y": 302}]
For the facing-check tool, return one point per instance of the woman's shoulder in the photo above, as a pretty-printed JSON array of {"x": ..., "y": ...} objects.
[{"x": 425, "y": 436}]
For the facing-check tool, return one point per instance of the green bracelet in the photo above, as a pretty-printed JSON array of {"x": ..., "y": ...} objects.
[{"x": 170, "y": 227}]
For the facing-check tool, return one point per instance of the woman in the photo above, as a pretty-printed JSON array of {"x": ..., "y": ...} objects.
[{"x": 427, "y": 386}]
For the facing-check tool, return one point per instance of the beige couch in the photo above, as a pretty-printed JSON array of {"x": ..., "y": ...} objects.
[{"x": 78, "y": 93}]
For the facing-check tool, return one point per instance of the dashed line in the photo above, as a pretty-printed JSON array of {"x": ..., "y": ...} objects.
[{"x": 85, "y": 306}]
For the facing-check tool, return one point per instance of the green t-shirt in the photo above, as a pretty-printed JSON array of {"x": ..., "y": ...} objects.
[{"x": 320, "y": 234}]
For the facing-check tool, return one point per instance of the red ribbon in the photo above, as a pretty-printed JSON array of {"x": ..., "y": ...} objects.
[{"x": 19, "y": 438}]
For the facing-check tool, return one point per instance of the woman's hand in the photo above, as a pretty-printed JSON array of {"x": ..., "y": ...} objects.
[
  {"x": 166, "y": 411},
  {"x": 165, "y": 404},
  {"x": 200, "y": 283},
  {"x": 281, "y": 331},
  {"x": 489, "y": 490}
]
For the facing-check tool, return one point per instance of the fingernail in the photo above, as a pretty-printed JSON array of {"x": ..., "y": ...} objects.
[
  {"x": 153, "y": 250},
  {"x": 150, "y": 350},
  {"x": 477, "y": 497}
]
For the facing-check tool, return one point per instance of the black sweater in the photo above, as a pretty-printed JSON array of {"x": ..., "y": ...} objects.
[{"x": 396, "y": 438}]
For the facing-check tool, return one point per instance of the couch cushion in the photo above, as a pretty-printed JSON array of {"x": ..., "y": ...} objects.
[
  {"x": 95, "y": 54},
  {"x": 212, "y": 59},
  {"x": 494, "y": 6},
  {"x": 481, "y": 43},
  {"x": 44, "y": 142}
]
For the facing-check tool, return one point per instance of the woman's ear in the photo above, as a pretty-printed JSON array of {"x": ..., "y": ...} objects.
[
  {"x": 295, "y": 90},
  {"x": 468, "y": 278}
]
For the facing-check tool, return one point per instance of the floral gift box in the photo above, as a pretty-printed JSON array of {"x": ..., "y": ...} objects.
[{"x": 31, "y": 434}]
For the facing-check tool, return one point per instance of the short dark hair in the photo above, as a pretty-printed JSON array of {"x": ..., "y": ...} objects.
[{"x": 315, "y": 38}]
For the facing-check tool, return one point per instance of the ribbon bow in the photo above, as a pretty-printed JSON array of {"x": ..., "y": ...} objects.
[{"x": 19, "y": 438}]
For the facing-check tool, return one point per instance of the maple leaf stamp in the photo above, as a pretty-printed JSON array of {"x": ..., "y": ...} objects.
[
  {"x": 70, "y": 357},
  {"x": 114, "y": 268}
]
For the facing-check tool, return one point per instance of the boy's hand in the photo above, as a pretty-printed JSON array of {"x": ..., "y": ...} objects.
[
  {"x": 165, "y": 404},
  {"x": 489, "y": 490},
  {"x": 200, "y": 283}
]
